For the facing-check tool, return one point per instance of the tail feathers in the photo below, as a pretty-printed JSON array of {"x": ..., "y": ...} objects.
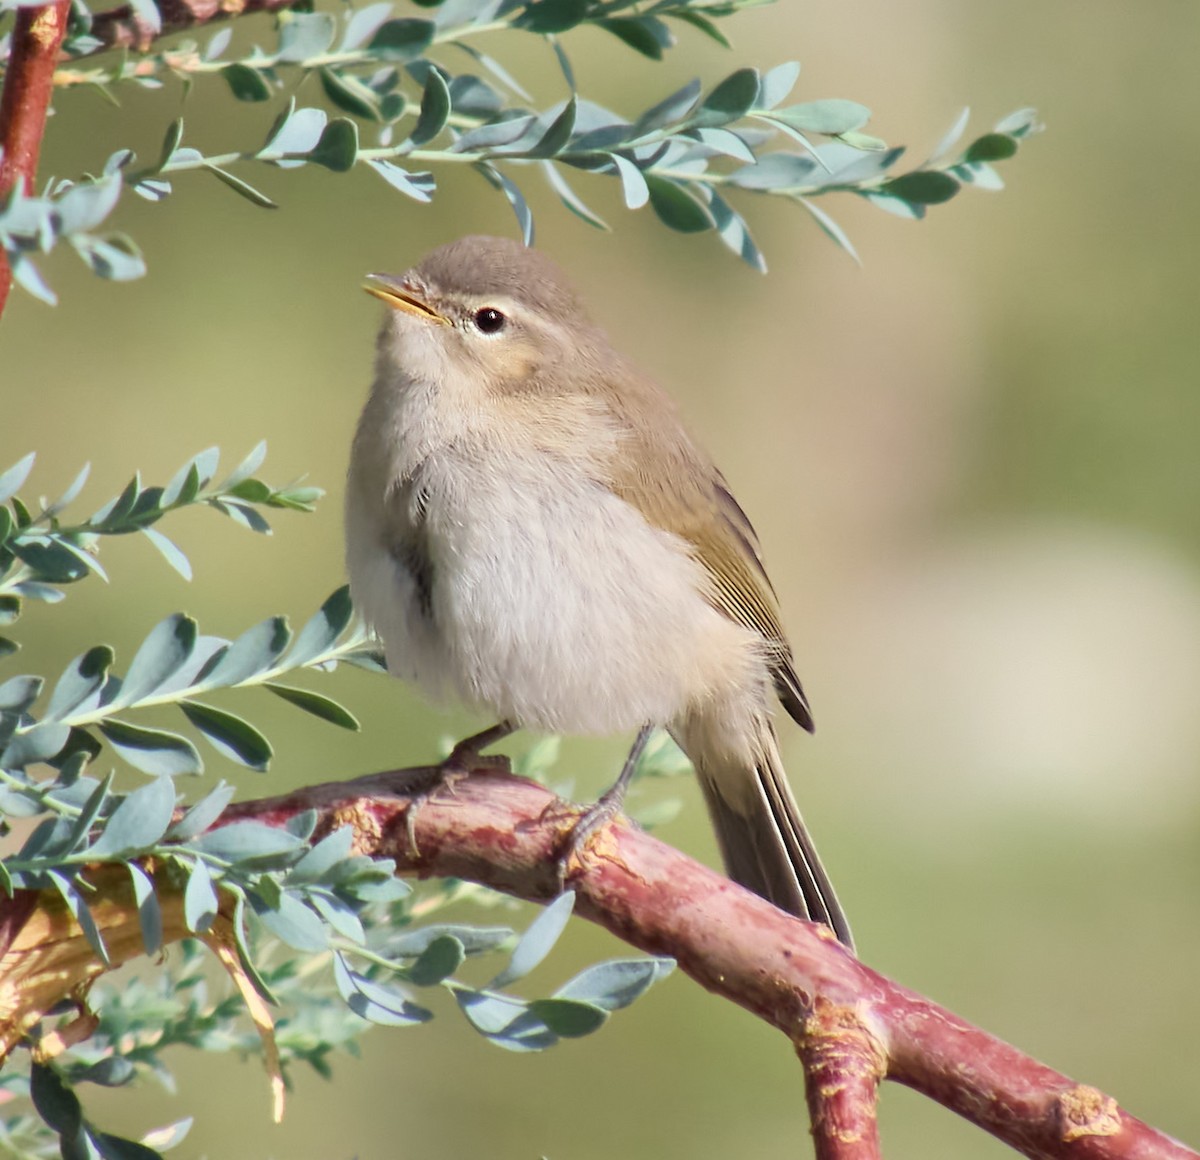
[{"x": 765, "y": 844}]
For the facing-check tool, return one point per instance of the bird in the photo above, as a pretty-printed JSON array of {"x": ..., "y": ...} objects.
[{"x": 532, "y": 532}]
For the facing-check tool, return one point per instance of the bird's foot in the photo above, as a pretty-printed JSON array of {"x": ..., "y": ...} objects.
[
  {"x": 597, "y": 816},
  {"x": 463, "y": 760}
]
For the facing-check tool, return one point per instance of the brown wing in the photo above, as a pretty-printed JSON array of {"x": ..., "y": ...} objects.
[{"x": 687, "y": 495}]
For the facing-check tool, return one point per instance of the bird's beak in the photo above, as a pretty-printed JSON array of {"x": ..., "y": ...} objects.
[{"x": 400, "y": 293}]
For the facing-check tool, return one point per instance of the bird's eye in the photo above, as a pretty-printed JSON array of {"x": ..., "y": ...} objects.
[{"x": 489, "y": 320}]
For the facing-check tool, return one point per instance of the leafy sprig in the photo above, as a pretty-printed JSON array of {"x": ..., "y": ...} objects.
[
  {"x": 401, "y": 110},
  {"x": 40, "y": 551}
]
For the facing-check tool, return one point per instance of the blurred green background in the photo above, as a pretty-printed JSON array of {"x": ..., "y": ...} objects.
[{"x": 972, "y": 463}]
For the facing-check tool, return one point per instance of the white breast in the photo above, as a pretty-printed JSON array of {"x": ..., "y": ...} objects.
[{"x": 553, "y": 602}]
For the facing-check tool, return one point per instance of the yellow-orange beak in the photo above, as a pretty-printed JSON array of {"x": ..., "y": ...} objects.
[{"x": 398, "y": 293}]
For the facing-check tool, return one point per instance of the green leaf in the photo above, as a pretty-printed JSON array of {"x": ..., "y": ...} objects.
[
  {"x": 82, "y": 677},
  {"x": 515, "y": 197},
  {"x": 38, "y": 744},
  {"x": 12, "y": 479},
  {"x": 645, "y": 34},
  {"x": 317, "y": 704},
  {"x": 402, "y": 39},
  {"x": 246, "y": 83},
  {"x": 67, "y": 496},
  {"x": 230, "y": 735},
  {"x": 617, "y": 983},
  {"x": 775, "y": 171},
  {"x": 170, "y": 1135},
  {"x": 537, "y": 941},
  {"x": 362, "y": 23},
  {"x": 55, "y": 1102},
  {"x": 247, "y": 841},
  {"x": 777, "y": 83},
  {"x": 185, "y": 483},
  {"x": 149, "y": 911},
  {"x": 152, "y": 750},
  {"x": 254, "y": 652},
  {"x": 435, "y": 109},
  {"x": 294, "y": 136},
  {"x": 676, "y": 107},
  {"x": 925, "y": 187},
  {"x": 170, "y": 143},
  {"x": 218, "y": 44},
  {"x": 828, "y": 117},
  {"x": 162, "y": 654},
  {"x": 676, "y": 208},
  {"x": 733, "y": 231},
  {"x": 1019, "y": 124},
  {"x": 557, "y": 135},
  {"x": 339, "y": 915},
  {"x": 731, "y": 100},
  {"x": 570, "y": 198},
  {"x": 118, "y": 1148},
  {"x": 328, "y": 852},
  {"x": 169, "y": 551},
  {"x": 85, "y": 206},
  {"x": 495, "y": 135},
  {"x": 727, "y": 142},
  {"x": 18, "y": 693},
  {"x": 244, "y": 188},
  {"x": 550, "y": 16},
  {"x": 28, "y": 277},
  {"x": 505, "y": 1020},
  {"x": 338, "y": 147},
  {"x": 633, "y": 184},
  {"x": 246, "y": 469},
  {"x": 112, "y": 1071},
  {"x": 50, "y": 559},
  {"x": 569, "y": 1018},
  {"x": 304, "y": 34},
  {"x": 438, "y": 961},
  {"x": 200, "y": 902},
  {"x": 78, "y": 907},
  {"x": 831, "y": 228},
  {"x": 373, "y": 1002},
  {"x": 951, "y": 137},
  {"x": 115, "y": 256},
  {"x": 696, "y": 20},
  {"x": 137, "y": 824},
  {"x": 350, "y": 95},
  {"x": 294, "y": 923},
  {"x": 202, "y": 814},
  {"x": 990, "y": 147},
  {"x": 474, "y": 939},
  {"x": 418, "y": 186}
]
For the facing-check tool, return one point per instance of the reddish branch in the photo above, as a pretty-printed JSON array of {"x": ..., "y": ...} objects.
[
  {"x": 37, "y": 36},
  {"x": 851, "y": 1027}
]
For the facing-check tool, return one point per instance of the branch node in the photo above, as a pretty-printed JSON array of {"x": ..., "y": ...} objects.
[{"x": 1085, "y": 1111}]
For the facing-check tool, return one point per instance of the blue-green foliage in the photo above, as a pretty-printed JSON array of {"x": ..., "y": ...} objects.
[
  {"x": 401, "y": 108},
  {"x": 284, "y": 892}
]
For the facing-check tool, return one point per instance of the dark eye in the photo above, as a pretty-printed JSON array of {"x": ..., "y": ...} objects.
[{"x": 489, "y": 320}]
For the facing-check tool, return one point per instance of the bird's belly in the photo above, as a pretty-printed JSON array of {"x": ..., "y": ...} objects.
[{"x": 553, "y": 603}]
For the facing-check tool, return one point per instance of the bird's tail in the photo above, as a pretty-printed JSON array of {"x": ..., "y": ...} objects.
[{"x": 762, "y": 836}]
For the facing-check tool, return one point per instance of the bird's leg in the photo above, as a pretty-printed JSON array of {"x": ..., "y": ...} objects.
[
  {"x": 459, "y": 763},
  {"x": 606, "y": 808},
  {"x": 465, "y": 755}
]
